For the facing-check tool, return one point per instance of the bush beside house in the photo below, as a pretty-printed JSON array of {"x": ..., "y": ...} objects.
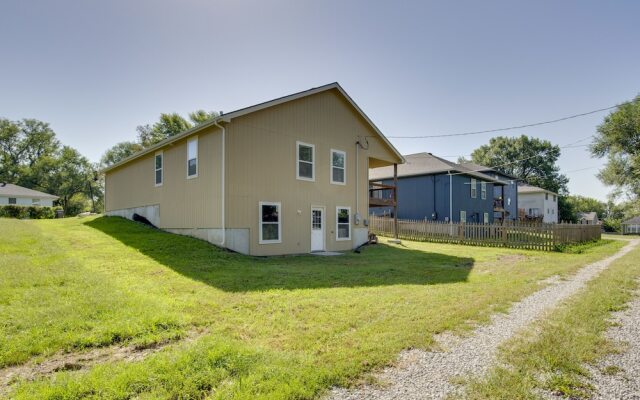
[{"x": 30, "y": 212}]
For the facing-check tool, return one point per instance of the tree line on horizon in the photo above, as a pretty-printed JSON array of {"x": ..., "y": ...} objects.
[{"x": 31, "y": 156}]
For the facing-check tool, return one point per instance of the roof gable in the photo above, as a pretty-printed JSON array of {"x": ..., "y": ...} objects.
[
  {"x": 19, "y": 191},
  {"x": 427, "y": 164},
  {"x": 261, "y": 106}
]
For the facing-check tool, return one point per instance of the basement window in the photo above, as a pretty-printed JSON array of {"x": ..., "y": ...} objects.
[
  {"x": 338, "y": 167},
  {"x": 343, "y": 223},
  {"x": 305, "y": 166},
  {"x": 192, "y": 158},
  {"x": 159, "y": 164},
  {"x": 270, "y": 223},
  {"x": 474, "y": 188}
]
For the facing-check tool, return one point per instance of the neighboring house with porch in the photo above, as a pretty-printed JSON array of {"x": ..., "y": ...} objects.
[
  {"x": 505, "y": 196},
  {"x": 590, "y": 218},
  {"x": 436, "y": 189},
  {"x": 21, "y": 196},
  {"x": 536, "y": 203},
  {"x": 631, "y": 226},
  {"x": 286, "y": 176}
]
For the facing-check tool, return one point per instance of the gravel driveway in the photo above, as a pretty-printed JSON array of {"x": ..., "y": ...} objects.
[
  {"x": 423, "y": 374},
  {"x": 623, "y": 379}
]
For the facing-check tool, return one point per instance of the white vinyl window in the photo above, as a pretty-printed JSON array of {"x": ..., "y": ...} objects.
[
  {"x": 474, "y": 188},
  {"x": 486, "y": 218},
  {"x": 343, "y": 223},
  {"x": 192, "y": 158},
  {"x": 546, "y": 196},
  {"x": 338, "y": 167},
  {"x": 463, "y": 216},
  {"x": 12, "y": 200},
  {"x": 270, "y": 223},
  {"x": 483, "y": 190},
  {"x": 159, "y": 167},
  {"x": 509, "y": 201},
  {"x": 305, "y": 165}
]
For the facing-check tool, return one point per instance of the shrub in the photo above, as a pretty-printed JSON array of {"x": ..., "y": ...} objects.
[{"x": 26, "y": 212}]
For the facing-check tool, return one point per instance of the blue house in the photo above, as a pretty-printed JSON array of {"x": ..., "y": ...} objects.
[
  {"x": 505, "y": 196},
  {"x": 438, "y": 190}
]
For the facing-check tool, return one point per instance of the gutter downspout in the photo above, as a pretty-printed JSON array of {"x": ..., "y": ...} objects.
[{"x": 222, "y": 185}]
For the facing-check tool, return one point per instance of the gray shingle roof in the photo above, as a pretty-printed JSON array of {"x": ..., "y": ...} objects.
[
  {"x": 481, "y": 168},
  {"x": 19, "y": 191},
  {"x": 427, "y": 164},
  {"x": 533, "y": 189},
  {"x": 589, "y": 216},
  {"x": 633, "y": 221}
]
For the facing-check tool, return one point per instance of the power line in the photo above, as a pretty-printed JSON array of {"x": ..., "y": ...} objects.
[{"x": 553, "y": 121}]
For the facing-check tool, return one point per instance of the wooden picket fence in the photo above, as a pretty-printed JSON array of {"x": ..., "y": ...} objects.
[{"x": 518, "y": 235}]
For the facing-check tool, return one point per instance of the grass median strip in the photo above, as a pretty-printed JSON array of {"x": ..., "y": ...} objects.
[
  {"x": 304, "y": 323},
  {"x": 551, "y": 356}
]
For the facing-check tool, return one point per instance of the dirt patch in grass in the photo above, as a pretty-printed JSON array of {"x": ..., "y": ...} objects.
[
  {"x": 76, "y": 361},
  {"x": 511, "y": 258}
]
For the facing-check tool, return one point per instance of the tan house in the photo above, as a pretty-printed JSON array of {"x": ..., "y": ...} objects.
[{"x": 282, "y": 177}]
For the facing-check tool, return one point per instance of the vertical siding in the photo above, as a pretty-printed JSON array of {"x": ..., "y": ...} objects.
[
  {"x": 184, "y": 203},
  {"x": 261, "y": 166}
]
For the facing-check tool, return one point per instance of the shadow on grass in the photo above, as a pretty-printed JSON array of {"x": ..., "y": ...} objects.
[{"x": 377, "y": 265}]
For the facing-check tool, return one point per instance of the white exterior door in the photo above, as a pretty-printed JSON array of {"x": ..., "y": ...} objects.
[{"x": 317, "y": 229}]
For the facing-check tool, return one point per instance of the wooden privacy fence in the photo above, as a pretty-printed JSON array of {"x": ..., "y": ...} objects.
[{"x": 519, "y": 235}]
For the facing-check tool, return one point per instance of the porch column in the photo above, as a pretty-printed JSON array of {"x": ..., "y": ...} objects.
[{"x": 395, "y": 201}]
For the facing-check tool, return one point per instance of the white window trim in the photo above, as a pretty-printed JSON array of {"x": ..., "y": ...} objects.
[
  {"x": 331, "y": 166},
  {"x": 155, "y": 169},
  {"x": 15, "y": 201},
  {"x": 313, "y": 161},
  {"x": 269, "y": 203},
  {"x": 464, "y": 221},
  {"x": 339, "y": 239},
  {"x": 474, "y": 188},
  {"x": 193, "y": 139},
  {"x": 483, "y": 190},
  {"x": 485, "y": 218}
]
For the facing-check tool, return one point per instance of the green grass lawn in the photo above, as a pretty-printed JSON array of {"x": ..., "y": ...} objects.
[
  {"x": 281, "y": 327},
  {"x": 554, "y": 357}
]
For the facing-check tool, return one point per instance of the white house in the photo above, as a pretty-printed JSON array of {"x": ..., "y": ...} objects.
[
  {"x": 21, "y": 196},
  {"x": 631, "y": 226},
  {"x": 537, "y": 202}
]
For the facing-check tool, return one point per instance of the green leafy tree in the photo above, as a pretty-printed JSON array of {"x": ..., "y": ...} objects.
[
  {"x": 168, "y": 125},
  {"x": 200, "y": 116},
  {"x": 530, "y": 159},
  {"x": 618, "y": 139},
  {"x": 119, "y": 152},
  {"x": 22, "y": 144},
  {"x": 583, "y": 204}
]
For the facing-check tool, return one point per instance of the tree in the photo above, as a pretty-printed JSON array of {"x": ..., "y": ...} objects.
[
  {"x": 618, "y": 139},
  {"x": 200, "y": 116},
  {"x": 530, "y": 159},
  {"x": 119, "y": 152},
  {"x": 22, "y": 144},
  {"x": 583, "y": 204},
  {"x": 168, "y": 125}
]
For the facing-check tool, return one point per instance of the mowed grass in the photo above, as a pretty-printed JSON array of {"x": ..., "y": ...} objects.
[
  {"x": 553, "y": 356},
  {"x": 281, "y": 327}
]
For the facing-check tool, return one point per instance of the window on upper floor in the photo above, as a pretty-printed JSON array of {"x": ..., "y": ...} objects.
[
  {"x": 483, "y": 190},
  {"x": 546, "y": 196},
  {"x": 270, "y": 223},
  {"x": 474, "y": 188},
  {"x": 192, "y": 158},
  {"x": 305, "y": 165},
  {"x": 554, "y": 198},
  {"x": 338, "y": 167},
  {"x": 158, "y": 167}
]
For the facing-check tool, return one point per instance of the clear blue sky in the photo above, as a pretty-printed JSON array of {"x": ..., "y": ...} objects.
[{"x": 97, "y": 69}]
